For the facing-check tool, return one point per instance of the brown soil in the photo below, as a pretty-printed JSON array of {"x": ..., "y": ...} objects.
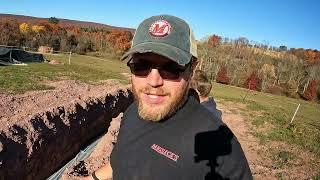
[
  {"x": 14, "y": 107},
  {"x": 100, "y": 155}
]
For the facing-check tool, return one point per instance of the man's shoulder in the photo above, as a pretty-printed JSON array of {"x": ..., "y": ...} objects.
[
  {"x": 131, "y": 107},
  {"x": 218, "y": 143},
  {"x": 201, "y": 116},
  {"x": 130, "y": 111},
  {"x": 130, "y": 115},
  {"x": 210, "y": 102}
]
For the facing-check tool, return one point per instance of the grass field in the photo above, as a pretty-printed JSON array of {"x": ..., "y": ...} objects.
[
  {"x": 275, "y": 112},
  {"x": 19, "y": 79}
]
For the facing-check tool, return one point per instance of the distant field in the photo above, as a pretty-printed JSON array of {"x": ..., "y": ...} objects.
[
  {"x": 19, "y": 79},
  {"x": 273, "y": 114}
]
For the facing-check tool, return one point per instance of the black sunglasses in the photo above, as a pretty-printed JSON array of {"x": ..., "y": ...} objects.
[{"x": 170, "y": 70}]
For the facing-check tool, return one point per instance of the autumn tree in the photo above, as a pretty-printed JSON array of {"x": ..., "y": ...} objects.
[
  {"x": 241, "y": 48},
  {"x": 268, "y": 73},
  {"x": 120, "y": 39},
  {"x": 222, "y": 76},
  {"x": 24, "y": 28},
  {"x": 253, "y": 81},
  {"x": 69, "y": 44},
  {"x": 312, "y": 55},
  {"x": 214, "y": 40},
  {"x": 311, "y": 92},
  {"x": 25, "y": 34},
  {"x": 299, "y": 52},
  {"x": 211, "y": 55},
  {"x": 51, "y": 35},
  {"x": 37, "y": 28},
  {"x": 9, "y": 32},
  {"x": 84, "y": 46}
]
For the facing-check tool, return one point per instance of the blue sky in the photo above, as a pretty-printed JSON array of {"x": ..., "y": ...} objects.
[{"x": 284, "y": 22}]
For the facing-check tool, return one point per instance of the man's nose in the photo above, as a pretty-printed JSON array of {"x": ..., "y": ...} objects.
[{"x": 154, "y": 78}]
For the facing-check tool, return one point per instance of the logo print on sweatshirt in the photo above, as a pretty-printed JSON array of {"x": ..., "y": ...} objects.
[
  {"x": 165, "y": 152},
  {"x": 160, "y": 28}
]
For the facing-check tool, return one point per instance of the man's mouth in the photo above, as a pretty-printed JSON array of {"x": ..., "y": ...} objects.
[{"x": 153, "y": 98}]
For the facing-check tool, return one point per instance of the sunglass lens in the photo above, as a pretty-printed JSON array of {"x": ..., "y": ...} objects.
[
  {"x": 139, "y": 69},
  {"x": 168, "y": 71}
]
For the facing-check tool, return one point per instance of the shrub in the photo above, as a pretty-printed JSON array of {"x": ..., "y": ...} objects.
[
  {"x": 222, "y": 76},
  {"x": 253, "y": 81},
  {"x": 311, "y": 92}
]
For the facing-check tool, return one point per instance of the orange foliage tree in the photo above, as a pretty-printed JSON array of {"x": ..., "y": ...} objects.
[
  {"x": 311, "y": 92},
  {"x": 222, "y": 76},
  {"x": 312, "y": 55},
  {"x": 119, "y": 39},
  {"x": 253, "y": 81},
  {"x": 308, "y": 55},
  {"x": 9, "y": 32},
  {"x": 214, "y": 40},
  {"x": 37, "y": 28}
]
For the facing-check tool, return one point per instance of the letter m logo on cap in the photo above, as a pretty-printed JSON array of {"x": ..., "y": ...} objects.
[{"x": 160, "y": 28}]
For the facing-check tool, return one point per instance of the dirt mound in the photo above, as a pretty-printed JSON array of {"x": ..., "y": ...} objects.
[{"x": 13, "y": 107}]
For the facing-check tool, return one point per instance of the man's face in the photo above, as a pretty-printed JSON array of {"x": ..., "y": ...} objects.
[{"x": 157, "y": 95}]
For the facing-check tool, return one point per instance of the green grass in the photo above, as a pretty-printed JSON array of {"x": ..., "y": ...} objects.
[
  {"x": 260, "y": 120},
  {"x": 19, "y": 79},
  {"x": 276, "y": 112}
]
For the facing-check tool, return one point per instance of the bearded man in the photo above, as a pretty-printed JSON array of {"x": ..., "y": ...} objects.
[{"x": 166, "y": 134}]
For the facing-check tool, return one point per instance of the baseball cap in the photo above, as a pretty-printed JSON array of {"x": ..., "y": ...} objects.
[{"x": 165, "y": 35}]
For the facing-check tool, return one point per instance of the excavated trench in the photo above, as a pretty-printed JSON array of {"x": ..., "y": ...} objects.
[{"x": 38, "y": 145}]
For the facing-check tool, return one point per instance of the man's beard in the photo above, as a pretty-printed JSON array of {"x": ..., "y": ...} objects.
[{"x": 154, "y": 112}]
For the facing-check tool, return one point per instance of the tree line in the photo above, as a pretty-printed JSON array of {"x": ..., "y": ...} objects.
[
  {"x": 257, "y": 66},
  {"x": 293, "y": 72},
  {"x": 61, "y": 38}
]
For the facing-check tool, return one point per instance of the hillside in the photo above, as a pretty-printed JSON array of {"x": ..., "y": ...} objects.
[{"x": 63, "y": 22}]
